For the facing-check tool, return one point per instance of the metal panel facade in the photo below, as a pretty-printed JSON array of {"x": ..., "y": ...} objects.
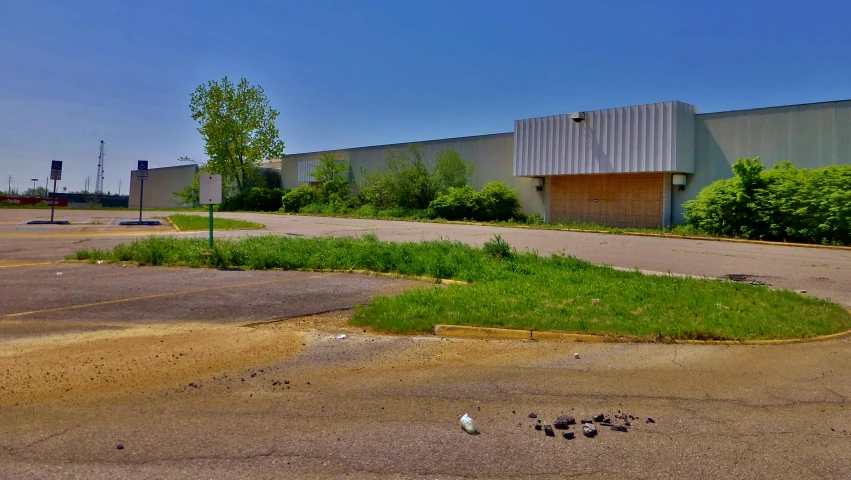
[
  {"x": 644, "y": 138},
  {"x": 305, "y": 171}
]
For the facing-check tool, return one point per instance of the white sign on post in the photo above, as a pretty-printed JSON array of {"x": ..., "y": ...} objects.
[{"x": 210, "y": 189}]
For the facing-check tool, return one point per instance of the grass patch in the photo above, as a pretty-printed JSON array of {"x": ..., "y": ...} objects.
[
  {"x": 514, "y": 289},
  {"x": 198, "y": 222}
]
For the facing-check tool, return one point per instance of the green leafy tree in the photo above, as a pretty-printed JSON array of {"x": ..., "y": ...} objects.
[
  {"x": 450, "y": 170},
  {"x": 38, "y": 192},
  {"x": 331, "y": 167},
  {"x": 190, "y": 195},
  {"x": 332, "y": 173},
  {"x": 238, "y": 127}
]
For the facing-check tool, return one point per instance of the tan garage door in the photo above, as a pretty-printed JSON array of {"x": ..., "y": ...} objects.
[{"x": 617, "y": 200}]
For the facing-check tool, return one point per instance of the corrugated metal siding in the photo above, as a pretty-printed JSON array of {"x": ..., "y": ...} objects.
[
  {"x": 305, "y": 170},
  {"x": 619, "y": 140}
]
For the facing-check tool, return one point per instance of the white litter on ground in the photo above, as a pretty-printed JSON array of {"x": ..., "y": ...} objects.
[{"x": 468, "y": 424}]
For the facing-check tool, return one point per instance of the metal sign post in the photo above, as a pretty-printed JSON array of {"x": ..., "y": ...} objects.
[
  {"x": 55, "y": 175},
  {"x": 141, "y": 175},
  {"x": 210, "y": 193}
]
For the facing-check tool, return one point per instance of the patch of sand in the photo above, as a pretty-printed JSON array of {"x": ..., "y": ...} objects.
[{"x": 90, "y": 365}]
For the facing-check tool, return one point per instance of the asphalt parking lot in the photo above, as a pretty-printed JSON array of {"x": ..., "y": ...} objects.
[
  {"x": 231, "y": 374},
  {"x": 824, "y": 273}
]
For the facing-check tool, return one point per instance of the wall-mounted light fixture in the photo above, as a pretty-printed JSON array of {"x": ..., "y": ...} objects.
[
  {"x": 539, "y": 183},
  {"x": 578, "y": 117},
  {"x": 679, "y": 180}
]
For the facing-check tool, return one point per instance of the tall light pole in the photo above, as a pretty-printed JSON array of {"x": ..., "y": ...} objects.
[{"x": 34, "y": 180}]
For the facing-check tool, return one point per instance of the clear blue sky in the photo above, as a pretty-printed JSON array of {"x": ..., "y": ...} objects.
[{"x": 346, "y": 73}]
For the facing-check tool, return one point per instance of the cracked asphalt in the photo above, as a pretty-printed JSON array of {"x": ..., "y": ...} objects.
[
  {"x": 824, "y": 273},
  {"x": 214, "y": 374}
]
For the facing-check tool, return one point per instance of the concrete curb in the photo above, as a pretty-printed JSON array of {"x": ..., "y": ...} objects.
[
  {"x": 445, "y": 281},
  {"x": 173, "y": 225},
  {"x": 461, "y": 331},
  {"x": 488, "y": 333}
]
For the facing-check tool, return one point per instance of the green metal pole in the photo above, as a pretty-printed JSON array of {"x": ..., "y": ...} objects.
[{"x": 211, "y": 226}]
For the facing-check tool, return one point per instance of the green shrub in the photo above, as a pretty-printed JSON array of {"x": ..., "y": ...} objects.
[
  {"x": 367, "y": 211},
  {"x": 784, "y": 203},
  {"x": 534, "y": 219},
  {"x": 332, "y": 173},
  {"x": 254, "y": 199},
  {"x": 456, "y": 204},
  {"x": 409, "y": 181},
  {"x": 298, "y": 198},
  {"x": 498, "y": 248},
  {"x": 496, "y": 201}
]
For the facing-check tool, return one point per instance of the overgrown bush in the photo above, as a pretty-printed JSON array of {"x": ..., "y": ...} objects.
[
  {"x": 409, "y": 181},
  {"x": 498, "y": 248},
  {"x": 534, "y": 219},
  {"x": 332, "y": 173},
  {"x": 255, "y": 199},
  {"x": 457, "y": 204},
  {"x": 784, "y": 203},
  {"x": 495, "y": 201},
  {"x": 298, "y": 198}
]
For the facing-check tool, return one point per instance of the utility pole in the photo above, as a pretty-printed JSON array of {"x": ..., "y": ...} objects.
[
  {"x": 119, "y": 188},
  {"x": 99, "y": 178},
  {"x": 35, "y": 180},
  {"x": 9, "y": 192}
]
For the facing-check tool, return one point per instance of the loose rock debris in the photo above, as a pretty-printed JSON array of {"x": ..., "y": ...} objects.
[
  {"x": 619, "y": 422},
  {"x": 563, "y": 422},
  {"x": 744, "y": 278}
]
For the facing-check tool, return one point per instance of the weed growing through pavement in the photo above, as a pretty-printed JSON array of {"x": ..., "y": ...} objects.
[{"x": 512, "y": 289}]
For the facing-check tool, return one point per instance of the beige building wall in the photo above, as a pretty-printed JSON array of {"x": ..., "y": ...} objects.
[
  {"x": 493, "y": 156},
  {"x": 161, "y": 185}
]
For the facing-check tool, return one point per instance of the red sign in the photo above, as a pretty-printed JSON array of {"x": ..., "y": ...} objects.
[{"x": 59, "y": 202}]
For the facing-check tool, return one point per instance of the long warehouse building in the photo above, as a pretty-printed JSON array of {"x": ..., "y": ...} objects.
[{"x": 628, "y": 166}]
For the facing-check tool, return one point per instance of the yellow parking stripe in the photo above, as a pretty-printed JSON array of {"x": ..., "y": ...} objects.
[
  {"x": 159, "y": 295},
  {"x": 26, "y": 264}
]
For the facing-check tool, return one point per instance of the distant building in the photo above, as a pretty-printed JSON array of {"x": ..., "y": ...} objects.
[
  {"x": 160, "y": 186},
  {"x": 629, "y": 166}
]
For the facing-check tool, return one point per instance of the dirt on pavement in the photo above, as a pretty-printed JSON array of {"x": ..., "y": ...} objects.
[{"x": 123, "y": 372}]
